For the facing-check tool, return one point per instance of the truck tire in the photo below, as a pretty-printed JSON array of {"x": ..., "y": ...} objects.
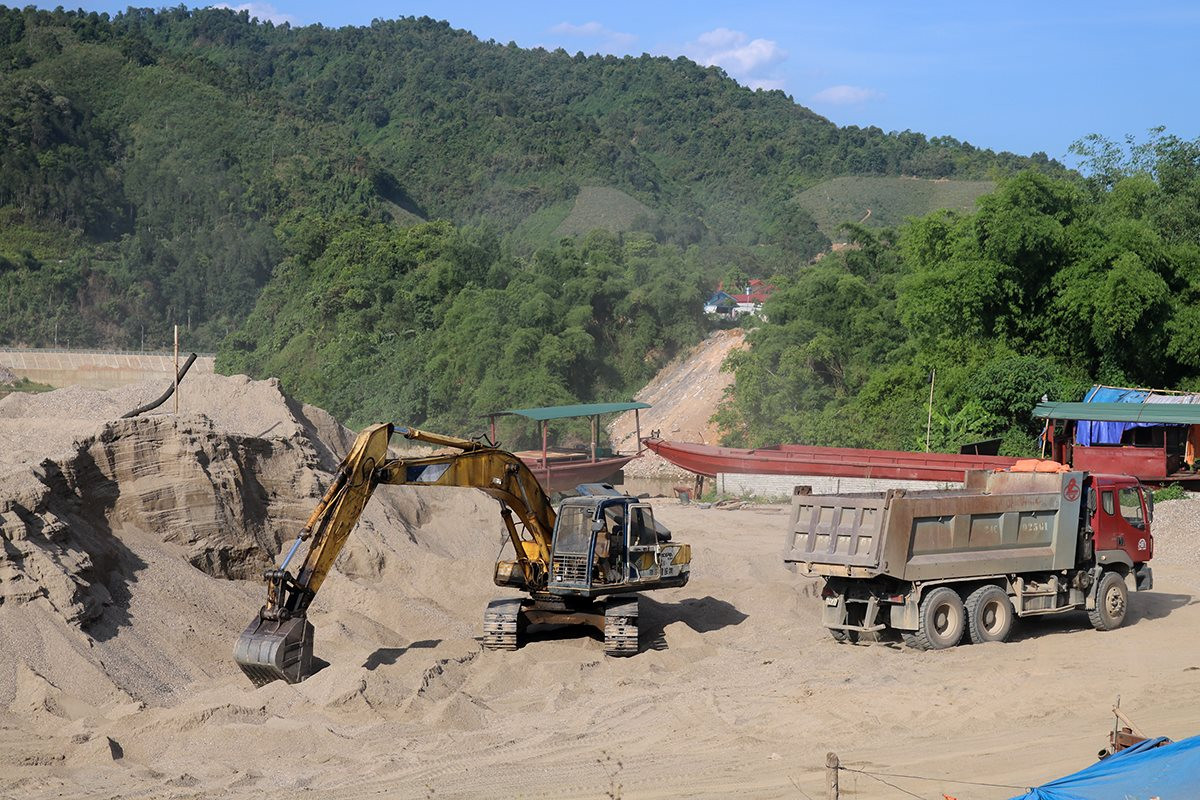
[
  {"x": 990, "y": 614},
  {"x": 1112, "y": 602},
  {"x": 943, "y": 620}
]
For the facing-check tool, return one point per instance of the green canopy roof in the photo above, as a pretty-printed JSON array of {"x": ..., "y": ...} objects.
[
  {"x": 563, "y": 412},
  {"x": 1154, "y": 413}
]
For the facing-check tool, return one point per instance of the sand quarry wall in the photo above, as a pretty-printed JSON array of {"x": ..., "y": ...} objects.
[
  {"x": 100, "y": 514},
  {"x": 96, "y": 369}
]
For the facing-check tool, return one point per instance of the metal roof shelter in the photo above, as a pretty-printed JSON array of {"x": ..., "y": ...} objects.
[
  {"x": 565, "y": 412},
  {"x": 1152, "y": 413}
]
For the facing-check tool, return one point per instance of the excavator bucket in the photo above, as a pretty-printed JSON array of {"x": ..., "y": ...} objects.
[{"x": 272, "y": 650}]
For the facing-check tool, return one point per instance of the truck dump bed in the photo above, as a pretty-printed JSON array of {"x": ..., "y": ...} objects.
[{"x": 1003, "y": 522}]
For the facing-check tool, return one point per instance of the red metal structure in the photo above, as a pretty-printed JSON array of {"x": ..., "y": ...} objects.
[{"x": 835, "y": 462}]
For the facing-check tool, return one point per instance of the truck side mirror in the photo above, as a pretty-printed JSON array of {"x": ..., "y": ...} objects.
[
  {"x": 1091, "y": 502},
  {"x": 598, "y": 526},
  {"x": 1150, "y": 505}
]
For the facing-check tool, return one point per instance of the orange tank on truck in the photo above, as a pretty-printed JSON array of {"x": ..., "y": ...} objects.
[{"x": 942, "y": 566}]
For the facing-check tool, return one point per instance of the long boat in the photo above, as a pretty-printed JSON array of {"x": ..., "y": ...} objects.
[
  {"x": 560, "y": 470},
  {"x": 834, "y": 462}
]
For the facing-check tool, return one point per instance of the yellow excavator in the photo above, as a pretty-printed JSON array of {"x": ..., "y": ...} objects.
[{"x": 577, "y": 566}]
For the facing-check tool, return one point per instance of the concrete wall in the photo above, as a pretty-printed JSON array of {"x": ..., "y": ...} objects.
[
  {"x": 95, "y": 369},
  {"x": 781, "y": 485}
]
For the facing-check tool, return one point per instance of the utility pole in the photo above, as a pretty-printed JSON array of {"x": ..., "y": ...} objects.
[
  {"x": 929, "y": 419},
  {"x": 176, "y": 370}
]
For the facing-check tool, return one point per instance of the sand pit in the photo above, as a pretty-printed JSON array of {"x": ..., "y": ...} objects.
[{"x": 122, "y": 591}]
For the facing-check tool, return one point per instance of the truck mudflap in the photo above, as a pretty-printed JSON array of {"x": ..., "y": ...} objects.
[
  {"x": 839, "y": 611},
  {"x": 1144, "y": 577}
]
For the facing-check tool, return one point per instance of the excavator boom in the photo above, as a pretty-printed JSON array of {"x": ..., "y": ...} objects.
[{"x": 278, "y": 643}]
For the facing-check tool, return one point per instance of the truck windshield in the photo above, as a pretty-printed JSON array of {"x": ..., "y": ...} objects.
[
  {"x": 1131, "y": 507},
  {"x": 573, "y": 530}
]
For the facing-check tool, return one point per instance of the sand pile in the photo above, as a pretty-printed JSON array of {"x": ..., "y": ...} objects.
[{"x": 127, "y": 570}]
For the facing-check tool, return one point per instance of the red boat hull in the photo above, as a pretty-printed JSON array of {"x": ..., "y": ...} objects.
[
  {"x": 562, "y": 476},
  {"x": 833, "y": 462}
]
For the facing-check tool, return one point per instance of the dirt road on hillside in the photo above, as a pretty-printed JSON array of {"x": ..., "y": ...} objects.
[{"x": 684, "y": 395}]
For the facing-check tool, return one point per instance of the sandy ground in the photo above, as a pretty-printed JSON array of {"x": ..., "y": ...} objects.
[{"x": 737, "y": 689}]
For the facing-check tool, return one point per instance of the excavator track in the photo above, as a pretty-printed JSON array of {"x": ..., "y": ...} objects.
[
  {"x": 621, "y": 625},
  {"x": 501, "y": 624}
]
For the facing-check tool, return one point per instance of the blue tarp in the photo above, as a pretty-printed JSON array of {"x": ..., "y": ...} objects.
[
  {"x": 1088, "y": 433},
  {"x": 1141, "y": 772}
]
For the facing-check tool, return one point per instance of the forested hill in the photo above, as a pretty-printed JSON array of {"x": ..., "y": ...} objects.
[{"x": 161, "y": 167}]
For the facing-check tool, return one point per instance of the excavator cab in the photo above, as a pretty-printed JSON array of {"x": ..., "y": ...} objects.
[{"x": 606, "y": 543}]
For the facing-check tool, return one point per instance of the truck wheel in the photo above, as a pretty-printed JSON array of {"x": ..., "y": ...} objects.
[
  {"x": 942, "y": 620},
  {"x": 1112, "y": 602},
  {"x": 989, "y": 614}
]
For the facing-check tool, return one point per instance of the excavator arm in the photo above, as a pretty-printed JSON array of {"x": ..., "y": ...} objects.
[{"x": 278, "y": 642}]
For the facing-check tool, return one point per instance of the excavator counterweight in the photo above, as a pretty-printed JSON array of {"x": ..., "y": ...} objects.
[{"x": 608, "y": 546}]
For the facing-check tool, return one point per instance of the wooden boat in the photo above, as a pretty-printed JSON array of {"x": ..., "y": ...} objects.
[{"x": 835, "y": 462}]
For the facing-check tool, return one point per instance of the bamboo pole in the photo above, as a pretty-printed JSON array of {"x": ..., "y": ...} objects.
[
  {"x": 929, "y": 419},
  {"x": 176, "y": 370}
]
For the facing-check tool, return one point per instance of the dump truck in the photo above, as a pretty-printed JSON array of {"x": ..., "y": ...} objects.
[{"x": 940, "y": 565}]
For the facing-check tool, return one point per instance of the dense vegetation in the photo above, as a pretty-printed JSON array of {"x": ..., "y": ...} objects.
[
  {"x": 374, "y": 214},
  {"x": 1052, "y": 284},
  {"x": 436, "y": 325},
  {"x": 156, "y": 154}
]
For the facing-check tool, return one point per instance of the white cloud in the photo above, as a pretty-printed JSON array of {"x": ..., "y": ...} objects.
[
  {"x": 264, "y": 11},
  {"x": 766, "y": 84},
  {"x": 844, "y": 95},
  {"x": 751, "y": 61},
  {"x": 606, "y": 37}
]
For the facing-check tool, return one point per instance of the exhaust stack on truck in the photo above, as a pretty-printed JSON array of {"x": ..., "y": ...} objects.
[{"x": 940, "y": 565}]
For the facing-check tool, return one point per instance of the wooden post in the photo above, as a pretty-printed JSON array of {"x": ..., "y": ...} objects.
[
  {"x": 637, "y": 422},
  {"x": 545, "y": 459},
  {"x": 492, "y": 421},
  {"x": 176, "y": 370},
  {"x": 831, "y": 774},
  {"x": 595, "y": 435}
]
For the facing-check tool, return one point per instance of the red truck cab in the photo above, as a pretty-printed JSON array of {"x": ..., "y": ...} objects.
[{"x": 1120, "y": 513}]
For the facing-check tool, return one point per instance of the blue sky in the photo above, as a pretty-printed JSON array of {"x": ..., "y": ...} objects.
[{"x": 1017, "y": 76}]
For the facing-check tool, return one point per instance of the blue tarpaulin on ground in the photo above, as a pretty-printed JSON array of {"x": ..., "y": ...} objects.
[
  {"x": 1088, "y": 432},
  {"x": 1141, "y": 772}
]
